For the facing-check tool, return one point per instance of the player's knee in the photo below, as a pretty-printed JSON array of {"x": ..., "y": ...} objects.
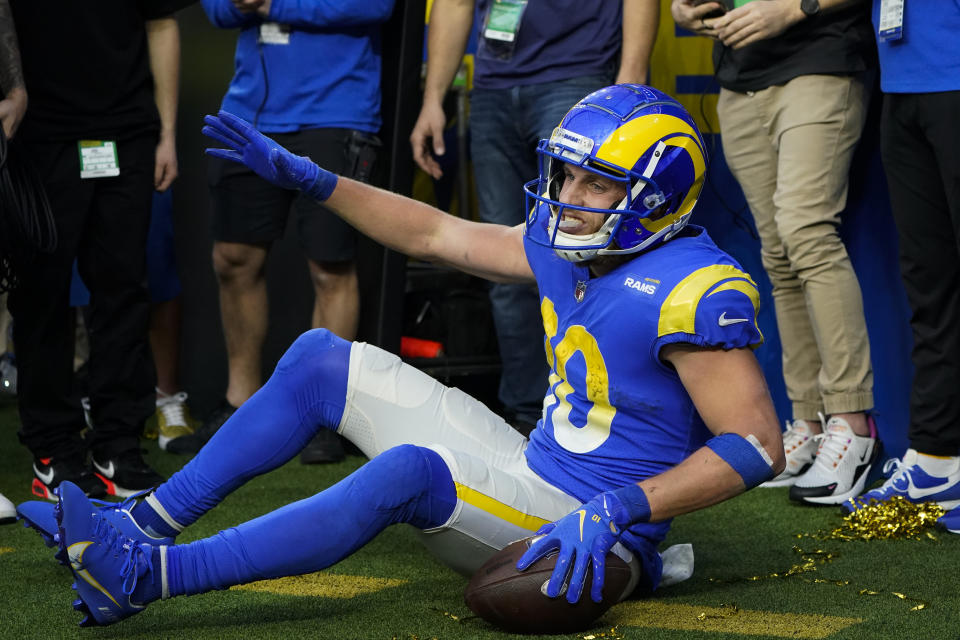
[
  {"x": 318, "y": 355},
  {"x": 235, "y": 263},
  {"x": 411, "y": 483}
]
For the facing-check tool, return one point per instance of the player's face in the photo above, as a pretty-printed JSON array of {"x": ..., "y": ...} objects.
[{"x": 586, "y": 189}]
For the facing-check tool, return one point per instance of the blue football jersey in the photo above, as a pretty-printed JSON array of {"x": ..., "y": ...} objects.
[{"x": 615, "y": 413}]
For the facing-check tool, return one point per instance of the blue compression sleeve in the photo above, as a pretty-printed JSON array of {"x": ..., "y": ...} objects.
[
  {"x": 404, "y": 484},
  {"x": 307, "y": 392},
  {"x": 746, "y": 455}
]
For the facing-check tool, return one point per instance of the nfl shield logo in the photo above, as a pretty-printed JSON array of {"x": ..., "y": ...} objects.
[{"x": 580, "y": 290}]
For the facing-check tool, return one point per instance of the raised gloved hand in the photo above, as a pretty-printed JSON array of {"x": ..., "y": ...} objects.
[
  {"x": 266, "y": 158},
  {"x": 582, "y": 537}
]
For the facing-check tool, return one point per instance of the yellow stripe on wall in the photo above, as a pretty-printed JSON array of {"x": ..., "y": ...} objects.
[
  {"x": 499, "y": 509},
  {"x": 686, "y": 617}
]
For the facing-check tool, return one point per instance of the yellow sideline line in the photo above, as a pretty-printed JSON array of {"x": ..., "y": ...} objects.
[
  {"x": 322, "y": 585},
  {"x": 686, "y": 617}
]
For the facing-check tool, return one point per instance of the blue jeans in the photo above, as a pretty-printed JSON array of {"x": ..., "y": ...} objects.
[{"x": 505, "y": 127}]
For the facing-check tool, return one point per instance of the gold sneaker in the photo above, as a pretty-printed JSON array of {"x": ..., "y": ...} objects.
[{"x": 173, "y": 418}]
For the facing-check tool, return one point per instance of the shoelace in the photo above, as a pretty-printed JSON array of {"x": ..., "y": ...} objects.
[
  {"x": 896, "y": 472},
  {"x": 172, "y": 408},
  {"x": 128, "y": 503},
  {"x": 136, "y": 557},
  {"x": 792, "y": 437},
  {"x": 831, "y": 444}
]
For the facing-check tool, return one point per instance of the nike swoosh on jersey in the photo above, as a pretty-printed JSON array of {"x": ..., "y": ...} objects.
[
  {"x": 723, "y": 321},
  {"x": 45, "y": 478},
  {"x": 108, "y": 470},
  {"x": 583, "y": 515}
]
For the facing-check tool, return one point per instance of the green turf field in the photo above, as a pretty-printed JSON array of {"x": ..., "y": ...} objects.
[{"x": 393, "y": 589}]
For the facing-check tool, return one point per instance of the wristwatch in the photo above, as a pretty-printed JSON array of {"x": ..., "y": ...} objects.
[{"x": 810, "y": 8}]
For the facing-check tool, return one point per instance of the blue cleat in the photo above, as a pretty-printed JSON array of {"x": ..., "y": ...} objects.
[
  {"x": 950, "y": 521},
  {"x": 107, "y": 565},
  {"x": 41, "y": 516},
  {"x": 906, "y": 479}
]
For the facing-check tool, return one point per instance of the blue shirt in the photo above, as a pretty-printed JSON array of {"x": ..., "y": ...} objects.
[
  {"x": 326, "y": 75},
  {"x": 926, "y": 59},
  {"x": 615, "y": 413},
  {"x": 557, "y": 40}
]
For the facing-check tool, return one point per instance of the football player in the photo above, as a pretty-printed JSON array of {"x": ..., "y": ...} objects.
[{"x": 656, "y": 405}]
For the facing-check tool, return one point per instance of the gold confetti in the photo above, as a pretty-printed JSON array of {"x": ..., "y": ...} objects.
[
  {"x": 613, "y": 634},
  {"x": 726, "y": 611},
  {"x": 456, "y": 618},
  {"x": 809, "y": 562},
  {"x": 893, "y": 519}
]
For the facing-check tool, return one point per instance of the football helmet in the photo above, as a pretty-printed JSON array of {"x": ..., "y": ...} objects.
[{"x": 634, "y": 135}]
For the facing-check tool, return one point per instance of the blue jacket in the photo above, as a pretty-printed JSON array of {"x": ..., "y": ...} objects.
[{"x": 326, "y": 75}]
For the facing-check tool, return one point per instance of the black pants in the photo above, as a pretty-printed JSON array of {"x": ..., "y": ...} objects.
[
  {"x": 921, "y": 156},
  {"x": 102, "y": 223}
]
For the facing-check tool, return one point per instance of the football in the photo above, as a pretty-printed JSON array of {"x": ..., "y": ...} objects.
[{"x": 515, "y": 601}]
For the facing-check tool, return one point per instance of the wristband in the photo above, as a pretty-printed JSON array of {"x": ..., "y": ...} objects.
[
  {"x": 627, "y": 505},
  {"x": 746, "y": 455}
]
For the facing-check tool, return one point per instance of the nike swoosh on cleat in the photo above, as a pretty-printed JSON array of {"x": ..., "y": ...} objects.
[
  {"x": 723, "y": 321},
  {"x": 108, "y": 470},
  {"x": 45, "y": 478},
  {"x": 75, "y": 554}
]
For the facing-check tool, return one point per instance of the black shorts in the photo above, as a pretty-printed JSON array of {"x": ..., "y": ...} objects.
[{"x": 249, "y": 210}]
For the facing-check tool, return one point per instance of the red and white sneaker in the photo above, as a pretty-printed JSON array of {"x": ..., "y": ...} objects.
[{"x": 48, "y": 473}]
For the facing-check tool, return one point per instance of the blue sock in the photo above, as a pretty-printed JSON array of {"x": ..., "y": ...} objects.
[
  {"x": 404, "y": 484},
  {"x": 151, "y": 520},
  {"x": 306, "y": 392}
]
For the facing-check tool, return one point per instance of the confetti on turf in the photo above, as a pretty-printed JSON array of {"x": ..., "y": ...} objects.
[
  {"x": 454, "y": 617},
  {"x": 893, "y": 519},
  {"x": 4, "y": 550},
  {"x": 809, "y": 563},
  {"x": 613, "y": 634}
]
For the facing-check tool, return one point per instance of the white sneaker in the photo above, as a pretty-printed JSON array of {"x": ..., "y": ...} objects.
[
  {"x": 173, "y": 418},
  {"x": 8, "y": 512},
  {"x": 840, "y": 469},
  {"x": 799, "y": 448}
]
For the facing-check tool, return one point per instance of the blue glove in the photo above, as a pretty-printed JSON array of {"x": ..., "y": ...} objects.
[
  {"x": 584, "y": 535},
  {"x": 266, "y": 158}
]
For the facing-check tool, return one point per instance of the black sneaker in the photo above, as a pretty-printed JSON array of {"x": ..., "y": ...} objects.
[
  {"x": 126, "y": 473},
  {"x": 324, "y": 448},
  {"x": 48, "y": 473},
  {"x": 194, "y": 442}
]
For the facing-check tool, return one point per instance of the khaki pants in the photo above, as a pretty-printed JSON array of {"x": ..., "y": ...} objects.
[{"x": 790, "y": 149}]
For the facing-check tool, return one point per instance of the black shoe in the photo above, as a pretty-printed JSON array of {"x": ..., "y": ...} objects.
[
  {"x": 126, "y": 473},
  {"x": 325, "y": 447},
  {"x": 48, "y": 473},
  {"x": 195, "y": 441}
]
